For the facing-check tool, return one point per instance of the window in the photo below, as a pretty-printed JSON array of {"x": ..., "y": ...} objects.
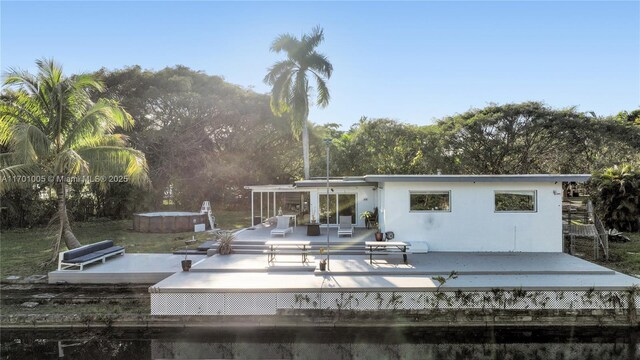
[
  {"x": 430, "y": 201},
  {"x": 515, "y": 201},
  {"x": 339, "y": 205}
]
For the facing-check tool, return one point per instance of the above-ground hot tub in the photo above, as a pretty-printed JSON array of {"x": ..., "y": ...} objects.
[{"x": 167, "y": 221}]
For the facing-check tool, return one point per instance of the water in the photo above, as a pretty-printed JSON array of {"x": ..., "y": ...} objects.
[{"x": 325, "y": 343}]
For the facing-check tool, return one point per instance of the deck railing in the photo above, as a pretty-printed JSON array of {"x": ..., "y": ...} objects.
[{"x": 591, "y": 228}]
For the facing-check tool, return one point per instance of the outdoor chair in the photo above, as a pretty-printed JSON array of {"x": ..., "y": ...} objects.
[
  {"x": 282, "y": 228},
  {"x": 345, "y": 227}
]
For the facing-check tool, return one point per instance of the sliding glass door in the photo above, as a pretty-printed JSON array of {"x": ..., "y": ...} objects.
[{"x": 339, "y": 205}]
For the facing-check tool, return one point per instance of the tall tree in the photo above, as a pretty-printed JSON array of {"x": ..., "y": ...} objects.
[
  {"x": 290, "y": 82},
  {"x": 56, "y": 134},
  {"x": 198, "y": 132}
]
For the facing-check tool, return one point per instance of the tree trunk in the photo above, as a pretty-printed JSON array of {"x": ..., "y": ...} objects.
[
  {"x": 65, "y": 229},
  {"x": 305, "y": 148}
]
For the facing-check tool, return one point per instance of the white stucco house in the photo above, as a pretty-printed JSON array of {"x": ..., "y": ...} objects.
[{"x": 476, "y": 213}]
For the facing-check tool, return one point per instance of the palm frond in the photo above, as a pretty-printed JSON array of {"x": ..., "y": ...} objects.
[
  {"x": 280, "y": 93},
  {"x": 6, "y": 129},
  {"x": 50, "y": 71},
  {"x": 102, "y": 117},
  {"x": 115, "y": 160},
  {"x": 101, "y": 140},
  {"x": 7, "y": 159},
  {"x": 319, "y": 62},
  {"x": 87, "y": 82},
  {"x": 323, "y": 96},
  {"x": 299, "y": 102},
  {"x": 286, "y": 42},
  {"x": 311, "y": 41},
  {"x": 69, "y": 162},
  {"x": 277, "y": 70},
  {"x": 10, "y": 176},
  {"x": 29, "y": 143},
  {"x": 21, "y": 109}
]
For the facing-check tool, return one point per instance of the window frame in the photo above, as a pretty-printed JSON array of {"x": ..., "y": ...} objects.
[
  {"x": 428, "y": 192},
  {"x": 535, "y": 202}
]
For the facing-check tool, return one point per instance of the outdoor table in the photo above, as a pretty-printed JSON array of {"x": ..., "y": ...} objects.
[
  {"x": 280, "y": 246},
  {"x": 383, "y": 245}
]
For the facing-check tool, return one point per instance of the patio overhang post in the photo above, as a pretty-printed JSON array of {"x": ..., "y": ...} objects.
[
  {"x": 252, "y": 210},
  {"x": 328, "y": 142}
]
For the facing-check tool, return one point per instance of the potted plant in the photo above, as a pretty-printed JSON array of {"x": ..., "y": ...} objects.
[
  {"x": 186, "y": 263},
  {"x": 225, "y": 238},
  {"x": 323, "y": 262},
  {"x": 367, "y": 216},
  {"x": 379, "y": 236}
]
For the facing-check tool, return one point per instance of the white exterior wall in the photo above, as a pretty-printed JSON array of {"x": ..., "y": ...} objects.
[
  {"x": 472, "y": 224},
  {"x": 366, "y": 199}
]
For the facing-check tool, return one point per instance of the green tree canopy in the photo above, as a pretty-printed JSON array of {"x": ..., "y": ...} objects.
[{"x": 204, "y": 138}]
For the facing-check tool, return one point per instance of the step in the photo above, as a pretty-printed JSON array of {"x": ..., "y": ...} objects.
[
  {"x": 248, "y": 242},
  {"x": 238, "y": 246},
  {"x": 248, "y": 251},
  {"x": 190, "y": 252}
]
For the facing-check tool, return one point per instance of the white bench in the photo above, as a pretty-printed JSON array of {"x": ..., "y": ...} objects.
[{"x": 88, "y": 254}]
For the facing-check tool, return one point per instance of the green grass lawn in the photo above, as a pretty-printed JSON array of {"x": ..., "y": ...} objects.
[
  {"x": 22, "y": 251},
  {"x": 625, "y": 257}
]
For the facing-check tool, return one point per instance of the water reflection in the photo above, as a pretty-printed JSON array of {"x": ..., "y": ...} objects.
[{"x": 348, "y": 343}]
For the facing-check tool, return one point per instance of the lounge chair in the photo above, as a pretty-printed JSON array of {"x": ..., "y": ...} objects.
[
  {"x": 282, "y": 228},
  {"x": 345, "y": 227}
]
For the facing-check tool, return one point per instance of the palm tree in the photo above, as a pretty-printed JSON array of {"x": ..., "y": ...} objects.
[
  {"x": 56, "y": 134},
  {"x": 290, "y": 84}
]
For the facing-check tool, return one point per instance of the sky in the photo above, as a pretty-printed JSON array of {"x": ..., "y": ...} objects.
[{"x": 414, "y": 62}]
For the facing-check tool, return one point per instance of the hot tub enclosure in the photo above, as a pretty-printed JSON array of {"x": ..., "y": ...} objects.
[{"x": 167, "y": 222}]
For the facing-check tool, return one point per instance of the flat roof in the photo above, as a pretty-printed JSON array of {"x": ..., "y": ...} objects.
[
  {"x": 353, "y": 181},
  {"x": 373, "y": 180},
  {"x": 479, "y": 178},
  {"x": 271, "y": 187}
]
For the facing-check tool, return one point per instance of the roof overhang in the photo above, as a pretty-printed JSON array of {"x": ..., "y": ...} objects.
[
  {"x": 359, "y": 181},
  {"x": 374, "y": 180},
  {"x": 480, "y": 178},
  {"x": 270, "y": 188}
]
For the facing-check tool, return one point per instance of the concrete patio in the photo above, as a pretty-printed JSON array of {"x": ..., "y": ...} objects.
[
  {"x": 128, "y": 268},
  {"x": 247, "y": 285},
  {"x": 436, "y": 263},
  {"x": 474, "y": 270}
]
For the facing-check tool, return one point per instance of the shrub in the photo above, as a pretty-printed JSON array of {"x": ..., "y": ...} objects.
[{"x": 616, "y": 194}]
